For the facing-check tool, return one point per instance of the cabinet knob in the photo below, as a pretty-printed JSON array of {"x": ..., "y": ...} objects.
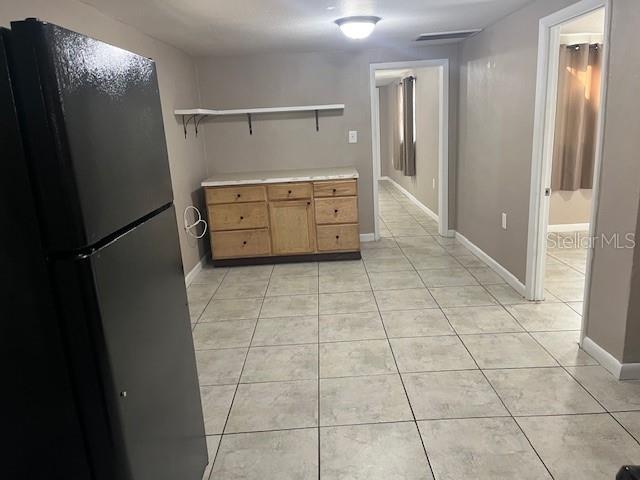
[
  {"x": 289, "y": 192},
  {"x": 244, "y": 243},
  {"x": 334, "y": 190},
  {"x": 337, "y": 237},
  {"x": 335, "y": 211},
  {"x": 241, "y": 218},
  {"x": 238, "y": 195}
]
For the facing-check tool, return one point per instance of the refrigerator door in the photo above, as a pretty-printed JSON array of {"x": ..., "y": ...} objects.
[
  {"x": 95, "y": 139},
  {"x": 39, "y": 409},
  {"x": 126, "y": 315}
]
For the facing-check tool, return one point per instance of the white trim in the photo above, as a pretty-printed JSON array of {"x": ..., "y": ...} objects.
[
  {"x": 443, "y": 154},
  {"x": 622, "y": 371},
  {"x": 568, "y": 227},
  {"x": 367, "y": 237},
  {"x": 546, "y": 89},
  {"x": 492, "y": 263},
  {"x": 189, "y": 277},
  {"x": 413, "y": 199}
]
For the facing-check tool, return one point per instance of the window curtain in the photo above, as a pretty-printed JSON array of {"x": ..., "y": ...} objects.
[
  {"x": 404, "y": 158},
  {"x": 577, "y": 109},
  {"x": 397, "y": 126}
]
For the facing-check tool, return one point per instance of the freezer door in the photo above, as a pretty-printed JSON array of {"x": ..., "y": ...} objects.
[
  {"x": 131, "y": 297},
  {"x": 40, "y": 419},
  {"x": 95, "y": 139}
]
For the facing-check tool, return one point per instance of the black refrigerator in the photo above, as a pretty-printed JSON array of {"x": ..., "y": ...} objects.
[{"x": 95, "y": 330}]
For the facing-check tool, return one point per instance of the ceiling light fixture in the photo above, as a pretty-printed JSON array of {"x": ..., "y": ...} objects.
[{"x": 357, "y": 27}]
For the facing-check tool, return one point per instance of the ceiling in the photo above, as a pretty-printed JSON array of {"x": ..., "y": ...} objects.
[
  {"x": 385, "y": 77},
  {"x": 590, "y": 23},
  {"x": 223, "y": 27}
]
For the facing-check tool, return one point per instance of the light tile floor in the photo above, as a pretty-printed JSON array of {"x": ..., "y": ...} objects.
[{"x": 416, "y": 362}]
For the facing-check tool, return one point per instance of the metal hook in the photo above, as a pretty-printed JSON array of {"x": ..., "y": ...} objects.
[
  {"x": 250, "y": 126},
  {"x": 317, "y": 122}
]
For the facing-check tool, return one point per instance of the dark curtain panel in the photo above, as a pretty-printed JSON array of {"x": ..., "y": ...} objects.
[
  {"x": 576, "y": 117},
  {"x": 408, "y": 127},
  {"x": 397, "y": 126}
]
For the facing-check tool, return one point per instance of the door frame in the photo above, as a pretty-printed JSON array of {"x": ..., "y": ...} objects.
[
  {"x": 443, "y": 149},
  {"x": 544, "y": 127}
]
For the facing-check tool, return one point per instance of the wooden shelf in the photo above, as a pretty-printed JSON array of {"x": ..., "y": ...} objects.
[{"x": 197, "y": 114}]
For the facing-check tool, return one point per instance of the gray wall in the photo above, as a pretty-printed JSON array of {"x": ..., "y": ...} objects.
[
  {"x": 497, "y": 96},
  {"x": 280, "y": 141},
  {"x": 614, "y": 304},
  {"x": 427, "y": 136},
  {"x": 178, "y": 88}
]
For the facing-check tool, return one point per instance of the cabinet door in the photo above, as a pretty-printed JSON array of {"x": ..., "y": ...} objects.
[{"x": 292, "y": 227}]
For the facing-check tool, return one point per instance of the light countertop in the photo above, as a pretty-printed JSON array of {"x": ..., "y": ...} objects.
[{"x": 281, "y": 176}]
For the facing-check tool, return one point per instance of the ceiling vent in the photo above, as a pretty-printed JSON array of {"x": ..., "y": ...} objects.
[{"x": 457, "y": 35}]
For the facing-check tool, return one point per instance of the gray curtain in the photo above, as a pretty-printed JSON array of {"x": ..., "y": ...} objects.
[
  {"x": 397, "y": 126},
  {"x": 576, "y": 117},
  {"x": 408, "y": 127}
]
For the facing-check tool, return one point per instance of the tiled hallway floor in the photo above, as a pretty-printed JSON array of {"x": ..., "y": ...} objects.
[{"x": 417, "y": 362}]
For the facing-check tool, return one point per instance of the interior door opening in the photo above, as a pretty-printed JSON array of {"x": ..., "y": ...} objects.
[
  {"x": 409, "y": 103},
  {"x": 567, "y": 153}
]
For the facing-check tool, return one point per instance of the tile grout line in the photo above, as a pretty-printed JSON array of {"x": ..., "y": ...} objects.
[
  {"x": 238, "y": 384},
  {"x": 395, "y": 361},
  {"x": 487, "y": 380}
]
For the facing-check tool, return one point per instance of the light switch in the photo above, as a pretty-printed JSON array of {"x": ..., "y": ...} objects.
[
  {"x": 353, "y": 136},
  {"x": 504, "y": 221}
]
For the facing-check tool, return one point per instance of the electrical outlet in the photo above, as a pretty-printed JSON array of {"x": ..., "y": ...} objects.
[
  {"x": 504, "y": 221},
  {"x": 433, "y": 184},
  {"x": 353, "y": 136}
]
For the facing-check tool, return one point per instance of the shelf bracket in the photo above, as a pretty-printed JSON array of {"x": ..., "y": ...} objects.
[
  {"x": 317, "y": 122},
  {"x": 196, "y": 123},
  {"x": 196, "y": 119},
  {"x": 250, "y": 126}
]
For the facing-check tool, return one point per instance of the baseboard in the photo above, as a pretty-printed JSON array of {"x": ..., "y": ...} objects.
[
  {"x": 622, "y": 371},
  {"x": 493, "y": 264},
  {"x": 569, "y": 227},
  {"x": 188, "y": 278},
  {"x": 367, "y": 237},
  {"x": 413, "y": 199}
]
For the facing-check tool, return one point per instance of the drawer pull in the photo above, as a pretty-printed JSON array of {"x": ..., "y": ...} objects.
[
  {"x": 335, "y": 211},
  {"x": 289, "y": 192},
  {"x": 244, "y": 243},
  {"x": 308, "y": 203},
  {"x": 337, "y": 237},
  {"x": 334, "y": 190},
  {"x": 241, "y": 218},
  {"x": 238, "y": 195}
]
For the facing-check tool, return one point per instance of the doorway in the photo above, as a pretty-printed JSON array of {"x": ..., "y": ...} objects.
[
  {"x": 567, "y": 152},
  {"x": 418, "y": 90}
]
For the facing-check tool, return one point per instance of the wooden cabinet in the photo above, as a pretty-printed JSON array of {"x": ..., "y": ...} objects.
[
  {"x": 284, "y": 220},
  {"x": 292, "y": 227}
]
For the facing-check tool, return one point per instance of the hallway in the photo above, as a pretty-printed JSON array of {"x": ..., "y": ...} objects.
[{"x": 416, "y": 362}]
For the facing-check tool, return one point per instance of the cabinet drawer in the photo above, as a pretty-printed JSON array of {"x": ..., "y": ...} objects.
[
  {"x": 288, "y": 191},
  {"x": 234, "y": 194},
  {"x": 336, "y": 210},
  {"x": 341, "y": 188},
  {"x": 338, "y": 237},
  {"x": 244, "y": 243},
  {"x": 238, "y": 216}
]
